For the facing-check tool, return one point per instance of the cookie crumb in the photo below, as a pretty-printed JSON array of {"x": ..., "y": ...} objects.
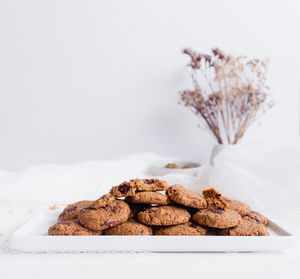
[
  {"x": 31, "y": 210},
  {"x": 1, "y": 235},
  {"x": 11, "y": 211},
  {"x": 53, "y": 207}
]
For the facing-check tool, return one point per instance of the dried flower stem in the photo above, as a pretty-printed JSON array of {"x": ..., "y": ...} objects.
[{"x": 229, "y": 93}]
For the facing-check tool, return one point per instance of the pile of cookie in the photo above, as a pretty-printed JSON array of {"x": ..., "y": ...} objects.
[{"x": 152, "y": 207}]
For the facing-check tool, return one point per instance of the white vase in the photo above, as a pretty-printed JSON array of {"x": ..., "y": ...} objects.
[{"x": 217, "y": 148}]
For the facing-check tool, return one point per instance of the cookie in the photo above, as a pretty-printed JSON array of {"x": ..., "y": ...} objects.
[
  {"x": 111, "y": 215},
  {"x": 246, "y": 228},
  {"x": 135, "y": 208},
  {"x": 152, "y": 184},
  {"x": 238, "y": 206},
  {"x": 217, "y": 218},
  {"x": 165, "y": 215},
  {"x": 71, "y": 227},
  {"x": 256, "y": 217},
  {"x": 125, "y": 189},
  {"x": 103, "y": 201},
  {"x": 188, "y": 228},
  {"x": 181, "y": 195},
  {"x": 214, "y": 199},
  {"x": 72, "y": 210},
  {"x": 130, "y": 227},
  {"x": 149, "y": 198}
]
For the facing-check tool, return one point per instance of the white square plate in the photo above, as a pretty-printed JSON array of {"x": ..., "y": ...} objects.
[{"x": 32, "y": 236}]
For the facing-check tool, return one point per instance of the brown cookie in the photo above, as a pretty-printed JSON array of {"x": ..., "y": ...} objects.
[
  {"x": 125, "y": 189},
  {"x": 71, "y": 227},
  {"x": 151, "y": 184},
  {"x": 165, "y": 215},
  {"x": 214, "y": 199},
  {"x": 103, "y": 201},
  {"x": 72, "y": 210},
  {"x": 181, "y": 195},
  {"x": 217, "y": 218},
  {"x": 188, "y": 228},
  {"x": 130, "y": 227},
  {"x": 246, "y": 228},
  {"x": 135, "y": 208},
  {"x": 109, "y": 216},
  {"x": 238, "y": 206},
  {"x": 256, "y": 217},
  {"x": 149, "y": 198}
]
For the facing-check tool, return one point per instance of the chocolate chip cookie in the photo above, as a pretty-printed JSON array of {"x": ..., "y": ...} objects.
[
  {"x": 103, "y": 201},
  {"x": 130, "y": 227},
  {"x": 214, "y": 199},
  {"x": 165, "y": 215},
  {"x": 149, "y": 198},
  {"x": 150, "y": 184},
  {"x": 246, "y": 228},
  {"x": 217, "y": 218},
  {"x": 71, "y": 227},
  {"x": 188, "y": 228},
  {"x": 111, "y": 215},
  {"x": 125, "y": 189},
  {"x": 181, "y": 195},
  {"x": 72, "y": 210},
  {"x": 238, "y": 206},
  {"x": 256, "y": 217}
]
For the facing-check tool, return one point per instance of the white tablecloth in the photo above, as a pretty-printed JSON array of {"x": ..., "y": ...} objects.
[{"x": 267, "y": 176}]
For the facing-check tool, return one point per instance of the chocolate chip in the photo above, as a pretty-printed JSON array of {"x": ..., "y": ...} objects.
[
  {"x": 110, "y": 223},
  {"x": 193, "y": 203},
  {"x": 218, "y": 196},
  {"x": 217, "y": 211},
  {"x": 149, "y": 181},
  {"x": 125, "y": 188},
  {"x": 192, "y": 225}
]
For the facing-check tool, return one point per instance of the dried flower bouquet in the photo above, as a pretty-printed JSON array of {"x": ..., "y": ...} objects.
[{"x": 229, "y": 93}]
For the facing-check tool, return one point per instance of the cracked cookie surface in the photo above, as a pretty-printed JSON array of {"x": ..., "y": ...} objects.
[
  {"x": 238, "y": 206},
  {"x": 214, "y": 199},
  {"x": 217, "y": 218},
  {"x": 183, "y": 196},
  {"x": 72, "y": 210},
  {"x": 71, "y": 227},
  {"x": 165, "y": 215},
  {"x": 256, "y": 217},
  {"x": 188, "y": 228},
  {"x": 111, "y": 215},
  {"x": 149, "y": 198},
  {"x": 130, "y": 227},
  {"x": 246, "y": 228}
]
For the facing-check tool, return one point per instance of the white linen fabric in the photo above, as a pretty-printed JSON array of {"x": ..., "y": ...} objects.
[{"x": 264, "y": 174}]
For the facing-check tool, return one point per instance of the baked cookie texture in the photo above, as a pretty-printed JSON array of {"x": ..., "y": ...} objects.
[
  {"x": 125, "y": 189},
  {"x": 130, "y": 227},
  {"x": 72, "y": 210},
  {"x": 71, "y": 227},
  {"x": 188, "y": 228},
  {"x": 246, "y": 228},
  {"x": 136, "y": 208},
  {"x": 256, "y": 217},
  {"x": 238, "y": 206},
  {"x": 149, "y": 198},
  {"x": 217, "y": 218},
  {"x": 103, "y": 201},
  {"x": 214, "y": 199},
  {"x": 165, "y": 215},
  {"x": 150, "y": 184},
  {"x": 111, "y": 215},
  {"x": 183, "y": 196}
]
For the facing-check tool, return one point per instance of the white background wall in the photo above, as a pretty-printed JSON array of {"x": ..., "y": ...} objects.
[{"x": 88, "y": 80}]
